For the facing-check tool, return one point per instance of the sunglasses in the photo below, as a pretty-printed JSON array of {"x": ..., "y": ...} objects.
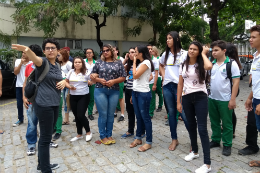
[{"x": 107, "y": 50}]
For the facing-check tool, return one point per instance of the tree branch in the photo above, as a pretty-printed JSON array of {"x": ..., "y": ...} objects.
[{"x": 104, "y": 21}]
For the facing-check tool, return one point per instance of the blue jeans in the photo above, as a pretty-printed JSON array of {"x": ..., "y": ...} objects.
[
  {"x": 106, "y": 101},
  {"x": 170, "y": 97},
  {"x": 64, "y": 95},
  {"x": 257, "y": 117},
  {"x": 141, "y": 102},
  {"x": 196, "y": 108},
  {"x": 31, "y": 134},
  {"x": 19, "y": 98}
]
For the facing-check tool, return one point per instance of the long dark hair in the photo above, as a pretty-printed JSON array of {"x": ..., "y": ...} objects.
[
  {"x": 233, "y": 54},
  {"x": 146, "y": 55},
  {"x": 83, "y": 69},
  {"x": 199, "y": 68},
  {"x": 129, "y": 62},
  {"x": 85, "y": 50},
  {"x": 176, "y": 46}
]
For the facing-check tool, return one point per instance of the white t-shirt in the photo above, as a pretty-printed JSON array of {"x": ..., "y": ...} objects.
[
  {"x": 220, "y": 87},
  {"x": 66, "y": 68},
  {"x": 79, "y": 81},
  {"x": 172, "y": 70},
  {"x": 255, "y": 71},
  {"x": 20, "y": 76},
  {"x": 142, "y": 83},
  {"x": 156, "y": 67},
  {"x": 191, "y": 80},
  {"x": 90, "y": 67}
]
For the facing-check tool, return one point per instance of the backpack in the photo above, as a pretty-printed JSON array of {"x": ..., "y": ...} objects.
[
  {"x": 32, "y": 83},
  {"x": 229, "y": 74}
]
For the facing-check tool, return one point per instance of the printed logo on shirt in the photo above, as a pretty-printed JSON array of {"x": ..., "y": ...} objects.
[
  {"x": 194, "y": 82},
  {"x": 224, "y": 70}
]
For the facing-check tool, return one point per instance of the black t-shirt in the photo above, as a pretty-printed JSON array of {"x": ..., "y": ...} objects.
[{"x": 48, "y": 94}]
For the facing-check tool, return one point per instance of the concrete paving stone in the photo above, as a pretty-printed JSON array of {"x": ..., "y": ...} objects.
[
  {"x": 9, "y": 170},
  {"x": 170, "y": 163},
  {"x": 227, "y": 170},
  {"x": 71, "y": 159},
  {"x": 133, "y": 167},
  {"x": 8, "y": 164},
  {"x": 76, "y": 166},
  {"x": 166, "y": 169},
  {"x": 67, "y": 153},
  {"x": 62, "y": 168},
  {"x": 121, "y": 168},
  {"x": 125, "y": 159},
  {"x": 8, "y": 157},
  {"x": 109, "y": 169},
  {"x": 16, "y": 140},
  {"x": 101, "y": 162},
  {"x": 57, "y": 160},
  {"x": 114, "y": 160},
  {"x": 81, "y": 153},
  {"x": 141, "y": 162},
  {"x": 18, "y": 156},
  {"x": 94, "y": 154},
  {"x": 21, "y": 169},
  {"x": 93, "y": 167},
  {"x": 86, "y": 160},
  {"x": 20, "y": 162}
]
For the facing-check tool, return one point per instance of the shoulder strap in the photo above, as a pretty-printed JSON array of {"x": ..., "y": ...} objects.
[
  {"x": 44, "y": 73},
  {"x": 229, "y": 73}
]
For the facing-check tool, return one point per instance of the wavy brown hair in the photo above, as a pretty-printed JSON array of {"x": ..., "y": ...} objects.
[
  {"x": 64, "y": 54},
  {"x": 83, "y": 69},
  {"x": 114, "y": 57}
]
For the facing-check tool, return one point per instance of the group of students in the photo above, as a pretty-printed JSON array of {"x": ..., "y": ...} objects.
[{"x": 185, "y": 76}]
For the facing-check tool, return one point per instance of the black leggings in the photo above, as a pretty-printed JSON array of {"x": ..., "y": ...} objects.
[
  {"x": 130, "y": 111},
  {"x": 79, "y": 105}
]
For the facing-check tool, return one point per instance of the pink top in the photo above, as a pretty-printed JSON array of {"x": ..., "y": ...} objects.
[{"x": 191, "y": 80}]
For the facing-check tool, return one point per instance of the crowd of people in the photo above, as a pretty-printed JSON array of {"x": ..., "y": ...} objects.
[{"x": 191, "y": 86}]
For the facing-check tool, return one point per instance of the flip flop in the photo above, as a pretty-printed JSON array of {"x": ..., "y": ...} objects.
[
  {"x": 254, "y": 163},
  {"x": 142, "y": 149},
  {"x": 134, "y": 144},
  {"x": 65, "y": 123}
]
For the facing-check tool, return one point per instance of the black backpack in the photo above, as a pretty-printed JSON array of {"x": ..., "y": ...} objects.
[
  {"x": 32, "y": 83},
  {"x": 229, "y": 74}
]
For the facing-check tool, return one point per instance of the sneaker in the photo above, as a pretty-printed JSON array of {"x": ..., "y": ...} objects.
[
  {"x": 126, "y": 135},
  {"x": 247, "y": 151},
  {"x": 76, "y": 138},
  {"x": 88, "y": 137},
  {"x": 203, "y": 169},
  {"x": 226, "y": 151},
  {"x": 159, "y": 109},
  {"x": 121, "y": 118},
  {"x": 53, "y": 145},
  {"x": 91, "y": 117},
  {"x": 31, "y": 151},
  {"x": 56, "y": 136},
  {"x": 191, "y": 156},
  {"x": 213, "y": 144},
  {"x": 53, "y": 166},
  {"x": 167, "y": 123},
  {"x": 115, "y": 115},
  {"x": 18, "y": 123}
]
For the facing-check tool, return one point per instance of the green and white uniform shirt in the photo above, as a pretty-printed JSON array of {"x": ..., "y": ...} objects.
[
  {"x": 156, "y": 67},
  {"x": 121, "y": 58},
  {"x": 255, "y": 71},
  {"x": 90, "y": 67},
  {"x": 220, "y": 86}
]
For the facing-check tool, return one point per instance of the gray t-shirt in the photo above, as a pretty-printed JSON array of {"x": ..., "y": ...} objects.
[{"x": 48, "y": 94}]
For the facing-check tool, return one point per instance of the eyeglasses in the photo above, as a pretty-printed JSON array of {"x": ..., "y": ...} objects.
[
  {"x": 50, "y": 48},
  {"x": 88, "y": 53},
  {"x": 107, "y": 50}
]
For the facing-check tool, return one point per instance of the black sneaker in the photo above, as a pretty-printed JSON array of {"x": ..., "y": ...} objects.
[
  {"x": 56, "y": 136},
  {"x": 226, "y": 151},
  {"x": 115, "y": 115},
  {"x": 53, "y": 166},
  {"x": 53, "y": 145},
  {"x": 91, "y": 117},
  {"x": 213, "y": 144},
  {"x": 31, "y": 151},
  {"x": 247, "y": 151},
  {"x": 159, "y": 109},
  {"x": 167, "y": 123},
  {"x": 121, "y": 118}
]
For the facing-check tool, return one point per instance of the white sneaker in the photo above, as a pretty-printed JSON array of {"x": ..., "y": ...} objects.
[
  {"x": 76, "y": 138},
  {"x": 191, "y": 156},
  {"x": 88, "y": 137},
  {"x": 203, "y": 169}
]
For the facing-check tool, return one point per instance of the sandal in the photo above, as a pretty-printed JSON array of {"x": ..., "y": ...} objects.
[
  {"x": 172, "y": 149},
  {"x": 106, "y": 143},
  {"x": 134, "y": 144},
  {"x": 254, "y": 163},
  {"x": 180, "y": 118},
  {"x": 65, "y": 123},
  {"x": 142, "y": 149}
]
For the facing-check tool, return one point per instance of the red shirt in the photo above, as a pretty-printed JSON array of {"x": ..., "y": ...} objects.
[{"x": 28, "y": 70}]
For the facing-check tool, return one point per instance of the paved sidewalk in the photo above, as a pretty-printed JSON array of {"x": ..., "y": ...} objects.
[{"x": 81, "y": 156}]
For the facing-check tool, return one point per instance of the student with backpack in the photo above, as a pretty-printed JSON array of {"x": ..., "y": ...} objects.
[
  {"x": 224, "y": 83},
  {"x": 47, "y": 100},
  {"x": 192, "y": 88}
]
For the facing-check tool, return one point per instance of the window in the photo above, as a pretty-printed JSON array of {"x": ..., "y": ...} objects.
[{"x": 72, "y": 44}]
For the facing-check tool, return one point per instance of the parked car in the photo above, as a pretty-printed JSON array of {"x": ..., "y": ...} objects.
[{"x": 9, "y": 79}]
